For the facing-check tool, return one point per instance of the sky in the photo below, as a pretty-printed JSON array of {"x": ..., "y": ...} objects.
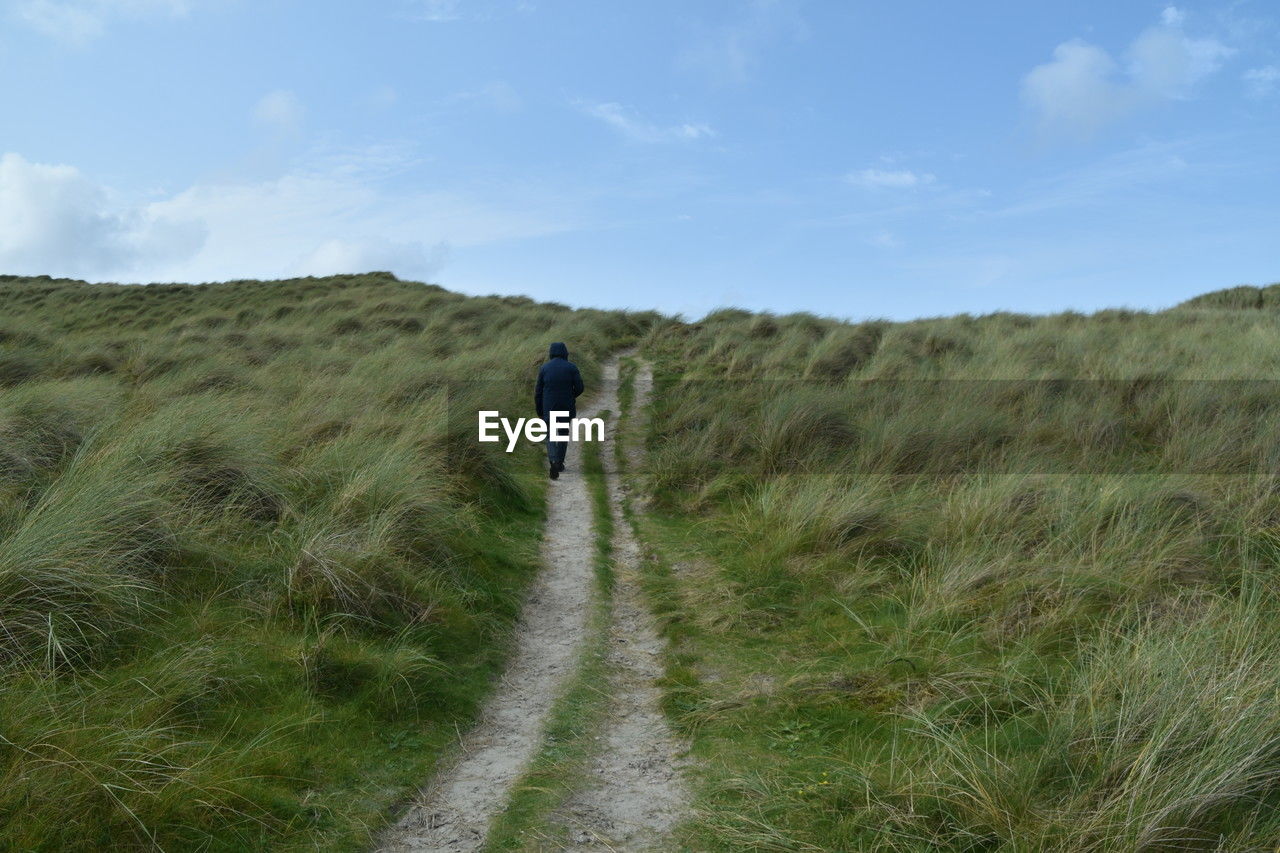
[{"x": 845, "y": 157}]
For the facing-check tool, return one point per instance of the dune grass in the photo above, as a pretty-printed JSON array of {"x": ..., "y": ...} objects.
[
  {"x": 970, "y": 583},
  {"x": 974, "y": 583},
  {"x": 255, "y": 571}
]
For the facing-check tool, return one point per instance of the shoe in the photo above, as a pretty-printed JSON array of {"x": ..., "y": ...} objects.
[
  {"x": 559, "y": 466},
  {"x": 555, "y": 473}
]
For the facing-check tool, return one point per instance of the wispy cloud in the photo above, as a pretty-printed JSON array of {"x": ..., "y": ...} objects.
[
  {"x": 279, "y": 112},
  {"x": 382, "y": 98},
  {"x": 901, "y": 179},
  {"x": 437, "y": 11},
  {"x": 626, "y": 122},
  {"x": 884, "y": 239},
  {"x": 1262, "y": 81},
  {"x": 1083, "y": 88},
  {"x": 80, "y": 21},
  {"x": 446, "y": 11},
  {"x": 729, "y": 54},
  {"x": 496, "y": 95},
  {"x": 1128, "y": 173},
  {"x": 409, "y": 258}
]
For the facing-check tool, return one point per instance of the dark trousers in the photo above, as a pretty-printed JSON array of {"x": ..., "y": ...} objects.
[{"x": 556, "y": 451}]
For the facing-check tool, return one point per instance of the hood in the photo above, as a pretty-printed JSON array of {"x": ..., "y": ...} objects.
[{"x": 559, "y": 350}]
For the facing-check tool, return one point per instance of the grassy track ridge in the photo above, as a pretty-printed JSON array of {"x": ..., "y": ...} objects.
[{"x": 558, "y": 768}]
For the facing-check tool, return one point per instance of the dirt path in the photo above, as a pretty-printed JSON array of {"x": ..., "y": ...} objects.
[
  {"x": 453, "y": 814},
  {"x": 636, "y": 793}
]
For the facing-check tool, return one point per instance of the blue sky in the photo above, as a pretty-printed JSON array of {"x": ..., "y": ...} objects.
[{"x": 858, "y": 159}]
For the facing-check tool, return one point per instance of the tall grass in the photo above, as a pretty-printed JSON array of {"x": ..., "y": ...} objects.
[
  {"x": 999, "y": 582},
  {"x": 254, "y": 569}
]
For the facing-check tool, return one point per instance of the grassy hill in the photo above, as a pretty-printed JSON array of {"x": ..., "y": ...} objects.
[
  {"x": 252, "y": 573},
  {"x": 975, "y": 583},
  {"x": 1244, "y": 296},
  {"x": 969, "y": 583}
]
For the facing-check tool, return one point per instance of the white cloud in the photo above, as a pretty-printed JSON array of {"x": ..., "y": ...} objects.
[
  {"x": 346, "y": 212},
  {"x": 54, "y": 220},
  {"x": 1166, "y": 63},
  {"x": 630, "y": 125},
  {"x": 79, "y": 21},
  {"x": 343, "y": 213},
  {"x": 1262, "y": 81},
  {"x": 411, "y": 259},
  {"x": 280, "y": 112},
  {"x": 1076, "y": 91},
  {"x": 1083, "y": 89},
  {"x": 889, "y": 178}
]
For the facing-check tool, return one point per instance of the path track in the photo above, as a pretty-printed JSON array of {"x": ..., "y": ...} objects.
[
  {"x": 454, "y": 812},
  {"x": 635, "y": 793}
]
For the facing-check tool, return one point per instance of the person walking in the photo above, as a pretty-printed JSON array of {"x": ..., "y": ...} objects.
[{"x": 559, "y": 384}]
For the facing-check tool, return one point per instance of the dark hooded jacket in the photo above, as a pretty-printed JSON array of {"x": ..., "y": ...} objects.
[{"x": 559, "y": 384}]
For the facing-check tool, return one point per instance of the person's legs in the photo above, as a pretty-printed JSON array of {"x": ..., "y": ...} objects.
[{"x": 555, "y": 456}]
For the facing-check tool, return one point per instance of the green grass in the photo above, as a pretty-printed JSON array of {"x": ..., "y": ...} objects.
[
  {"x": 255, "y": 571},
  {"x": 973, "y": 583},
  {"x": 968, "y": 583}
]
